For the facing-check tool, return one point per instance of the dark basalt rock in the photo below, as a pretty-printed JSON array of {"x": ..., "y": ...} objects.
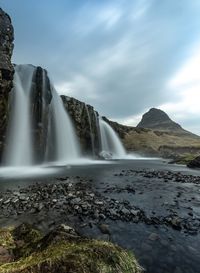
[
  {"x": 85, "y": 120},
  {"x": 40, "y": 105},
  {"x": 195, "y": 163},
  {"x": 6, "y": 71}
]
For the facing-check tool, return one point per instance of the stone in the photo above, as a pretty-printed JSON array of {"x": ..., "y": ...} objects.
[
  {"x": 153, "y": 237},
  {"x": 125, "y": 211},
  {"x": 195, "y": 163},
  {"x": 5, "y": 256},
  {"x": 104, "y": 229},
  {"x": 176, "y": 223}
]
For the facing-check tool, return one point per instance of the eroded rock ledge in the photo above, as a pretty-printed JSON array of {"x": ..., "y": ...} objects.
[{"x": 6, "y": 70}]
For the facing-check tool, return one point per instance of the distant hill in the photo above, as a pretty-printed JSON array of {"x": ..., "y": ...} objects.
[
  {"x": 158, "y": 120},
  {"x": 158, "y": 135}
]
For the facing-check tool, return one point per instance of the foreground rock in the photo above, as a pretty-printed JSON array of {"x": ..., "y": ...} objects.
[
  {"x": 61, "y": 250},
  {"x": 195, "y": 163},
  {"x": 6, "y": 71}
]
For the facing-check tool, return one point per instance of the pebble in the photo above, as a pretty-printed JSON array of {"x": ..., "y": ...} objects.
[{"x": 153, "y": 237}]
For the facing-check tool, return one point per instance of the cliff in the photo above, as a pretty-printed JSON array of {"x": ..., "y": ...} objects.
[
  {"x": 6, "y": 71},
  {"x": 85, "y": 120}
]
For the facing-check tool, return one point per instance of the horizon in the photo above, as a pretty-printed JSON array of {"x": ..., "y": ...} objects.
[{"x": 114, "y": 55}]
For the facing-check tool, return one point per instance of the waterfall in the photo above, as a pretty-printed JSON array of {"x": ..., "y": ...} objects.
[
  {"x": 19, "y": 148},
  {"x": 61, "y": 133},
  {"x": 111, "y": 146},
  {"x": 38, "y": 122}
]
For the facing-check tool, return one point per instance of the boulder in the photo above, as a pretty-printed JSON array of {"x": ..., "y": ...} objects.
[{"x": 195, "y": 163}]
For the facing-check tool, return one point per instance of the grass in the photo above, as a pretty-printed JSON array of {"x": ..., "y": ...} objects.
[
  {"x": 160, "y": 143},
  {"x": 70, "y": 255}
]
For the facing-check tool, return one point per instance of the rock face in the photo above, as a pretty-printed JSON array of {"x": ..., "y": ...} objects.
[
  {"x": 85, "y": 120},
  {"x": 159, "y": 120},
  {"x": 195, "y": 163},
  {"x": 40, "y": 103},
  {"x": 6, "y": 71}
]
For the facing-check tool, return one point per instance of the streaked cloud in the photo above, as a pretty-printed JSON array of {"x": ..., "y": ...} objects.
[{"x": 121, "y": 56}]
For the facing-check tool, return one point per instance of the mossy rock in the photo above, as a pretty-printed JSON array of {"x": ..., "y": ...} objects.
[
  {"x": 183, "y": 160},
  {"x": 6, "y": 238},
  {"x": 71, "y": 253}
]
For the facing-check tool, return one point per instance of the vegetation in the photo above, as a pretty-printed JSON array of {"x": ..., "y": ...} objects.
[
  {"x": 184, "y": 160},
  {"x": 162, "y": 143},
  {"x": 64, "y": 252}
]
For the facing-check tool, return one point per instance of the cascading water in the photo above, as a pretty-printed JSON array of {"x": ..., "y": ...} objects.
[
  {"x": 32, "y": 106},
  {"x": 19, "y": 149},
  {"x": 111, "y": 146},
  {"x": 61, "y": 133}
]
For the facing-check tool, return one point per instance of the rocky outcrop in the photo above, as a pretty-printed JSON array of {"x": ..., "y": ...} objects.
[
  {"x": 195, "y": 163},
  {"x": 85, "y": 120},
  {"x": 158, "y": 120},
  {"x": 120, "y": 129},
  {"x": 6, "y": 71},
  {"x": 40, "y": 106}
]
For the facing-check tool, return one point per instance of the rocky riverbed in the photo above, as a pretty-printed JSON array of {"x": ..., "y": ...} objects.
[
  {"x": 76, "y": 196},
  {"x": 154, "y": 211}
]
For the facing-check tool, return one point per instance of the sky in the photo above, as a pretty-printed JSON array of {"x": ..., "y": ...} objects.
[{"x": 121, "y": 56}]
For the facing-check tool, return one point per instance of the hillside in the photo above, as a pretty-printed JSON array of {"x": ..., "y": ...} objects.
[
  {"x": 158, "y": 120},
  {"x": 158, "y": 135}
]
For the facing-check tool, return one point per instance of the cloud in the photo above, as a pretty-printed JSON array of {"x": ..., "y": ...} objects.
[
  {"x": 186, "y": 84},
  {"x": 120, "y": 55}
]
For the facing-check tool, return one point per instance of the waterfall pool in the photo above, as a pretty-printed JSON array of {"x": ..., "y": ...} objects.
[{"x": 152, "y": 189}]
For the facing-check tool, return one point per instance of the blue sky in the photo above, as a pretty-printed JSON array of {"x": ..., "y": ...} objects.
[{"x": 121, "y": 56}]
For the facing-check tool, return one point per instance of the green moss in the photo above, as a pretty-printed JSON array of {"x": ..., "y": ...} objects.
[
  {"x": 66, "y": 254},
  {"x": 6, "y": 238},
  {"x": 29, "y": 238},
  {"x": 87, "y": 256},
  {"x": 184, "y": 160}
]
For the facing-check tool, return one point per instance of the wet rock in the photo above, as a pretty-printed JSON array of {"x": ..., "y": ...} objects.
[
  {"x": 104, "y": 229},
  {"x": 176, "y": 223},
  {"x": 153, "y": 237},
  {"x": 195, "y": 163}
]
